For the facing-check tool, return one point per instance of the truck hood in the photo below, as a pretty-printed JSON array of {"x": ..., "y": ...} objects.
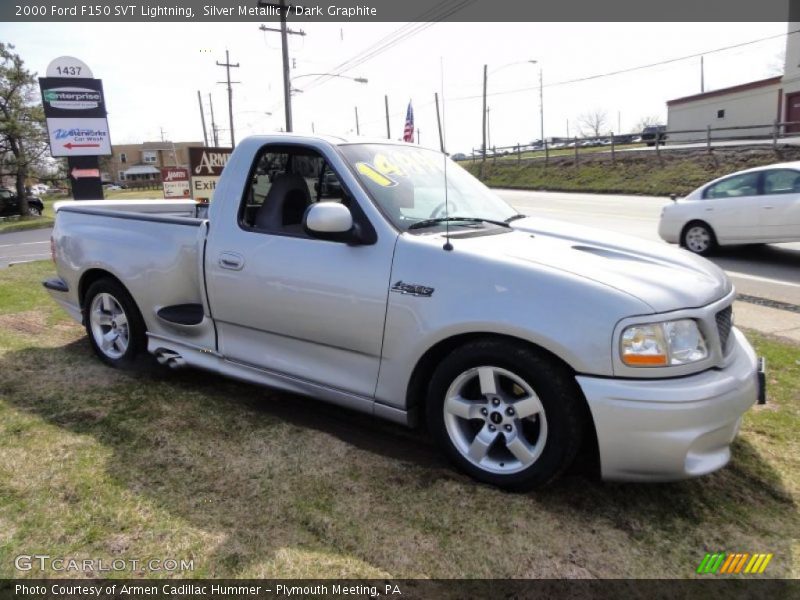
[{"x": 664, "y": 277}]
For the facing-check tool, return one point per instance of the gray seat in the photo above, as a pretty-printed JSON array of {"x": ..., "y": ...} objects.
[{"x": 286, "y": 202}]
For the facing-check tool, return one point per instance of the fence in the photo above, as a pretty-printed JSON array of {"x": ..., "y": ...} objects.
[{"x": 770, "y": 134}]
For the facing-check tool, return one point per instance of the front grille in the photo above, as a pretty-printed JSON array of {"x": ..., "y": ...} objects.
[{"x": 724, "y": 323}]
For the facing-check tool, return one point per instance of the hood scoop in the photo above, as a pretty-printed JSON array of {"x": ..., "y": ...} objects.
[{"x": 613, "y": 254}]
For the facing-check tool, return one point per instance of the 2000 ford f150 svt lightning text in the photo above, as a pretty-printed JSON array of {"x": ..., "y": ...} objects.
[{"x": 385, "y": 278}]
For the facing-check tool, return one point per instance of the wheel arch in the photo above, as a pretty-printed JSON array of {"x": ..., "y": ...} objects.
[
  {"x": 90, "y": 276},
  {"x": 423, "y": 370}
]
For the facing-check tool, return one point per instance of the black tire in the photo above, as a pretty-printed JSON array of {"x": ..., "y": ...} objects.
[
  {"x": 34, "y": 211},
  {"x": 135, "y": 327},
  {"x": 563, "y": 406},
  {"x": 698, "y": 237}
]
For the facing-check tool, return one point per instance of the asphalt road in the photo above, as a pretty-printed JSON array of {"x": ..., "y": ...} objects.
[
  {"x": 24, "y": 246},
  {"x": 770, "y": 271}
]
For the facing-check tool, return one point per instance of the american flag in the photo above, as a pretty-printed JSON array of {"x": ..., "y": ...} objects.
[{"x": 408, "y": 131}]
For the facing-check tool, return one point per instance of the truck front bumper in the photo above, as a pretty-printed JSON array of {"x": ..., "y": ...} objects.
[{"x": 668, "y": 429}]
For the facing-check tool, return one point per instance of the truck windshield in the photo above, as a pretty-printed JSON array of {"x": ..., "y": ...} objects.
[{"x": 408, "y": 184}]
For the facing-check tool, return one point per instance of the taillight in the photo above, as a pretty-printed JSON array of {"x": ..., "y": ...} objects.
[{"x": 52, "y": 249}]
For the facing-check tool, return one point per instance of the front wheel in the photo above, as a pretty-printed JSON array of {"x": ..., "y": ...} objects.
[
  {"x": 506, "y": 414},
  {"x": 34, "y": 211},
  {"x": 698, "y": 237},
  {"x": 113, "y": 323}
]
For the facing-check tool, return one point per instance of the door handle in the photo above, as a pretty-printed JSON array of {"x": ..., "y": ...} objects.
[
  {"x": 768, "y": 207},
  {"x": 231, "y": 260}
]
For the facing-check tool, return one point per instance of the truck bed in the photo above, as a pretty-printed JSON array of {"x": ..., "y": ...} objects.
[{"x": 155, "y": 247}]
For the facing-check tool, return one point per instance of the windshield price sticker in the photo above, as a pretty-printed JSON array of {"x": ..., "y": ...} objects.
[
  {"x": 367, "y": 170},
  {"x": 406, "y": 163}
]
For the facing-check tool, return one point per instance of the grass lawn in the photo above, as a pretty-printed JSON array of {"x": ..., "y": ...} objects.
[
  {"x": 249, "y": 482},
  {"x": 678, "y": 172}
]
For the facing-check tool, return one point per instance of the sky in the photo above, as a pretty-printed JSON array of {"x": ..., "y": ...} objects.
[{"x": 151, "y": 73}]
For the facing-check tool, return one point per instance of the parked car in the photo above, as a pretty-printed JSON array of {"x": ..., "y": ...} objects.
[
  {"x": 649, "y": 134},
  {"x": 112, "y": 187},
  {"x": 459, "y": 156},
  {"x": 755, "y": 206},
  {"x": 517, "y": 340},
  {"x": 9, "y": 203}
]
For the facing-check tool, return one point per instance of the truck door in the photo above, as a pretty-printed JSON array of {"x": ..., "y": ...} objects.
[{"x": 287, "y": 302}]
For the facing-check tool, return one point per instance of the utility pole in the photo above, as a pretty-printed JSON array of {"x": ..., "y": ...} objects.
[
  {"x": 213, "y": 123},
  {"x": 541, "y": 104},
  {"x": 489, "y": 124},
  {"x": 202, "y": 118},
  {"x": 483, "y": 145},
  {"x": 227, "y": 64},
  {"x": 162, "y": 133},
  {"x": 388, "y": 129},
  {"x": 702, "y": 76},
  {"x": 439, "y": 121},
  {"x": 283, "y": 12},
  {"x": 358, "y": 130}
]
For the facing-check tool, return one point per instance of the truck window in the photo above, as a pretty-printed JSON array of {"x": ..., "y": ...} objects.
[{"x": 284, "y": 182}]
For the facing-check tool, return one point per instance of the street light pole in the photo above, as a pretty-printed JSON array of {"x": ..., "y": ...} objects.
[{"x": 541, "y": 104}]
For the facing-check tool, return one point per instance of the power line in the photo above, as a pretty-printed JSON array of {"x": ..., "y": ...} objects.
[
  {"x": 576, "y": 80},
  {"x": 433, "y": 15},
  {"x": 629, "y": 69}
]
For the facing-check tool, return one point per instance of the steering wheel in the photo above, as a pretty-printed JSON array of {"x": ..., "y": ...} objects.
[{"x": 452, "y": 208}]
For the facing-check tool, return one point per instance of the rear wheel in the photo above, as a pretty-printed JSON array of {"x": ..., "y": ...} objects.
[
  {"x": 506, "y": 414},
  {"x": 34, "y": 211},
  {"x": 698, "y": 237},
  {"x": 113, "y": 323}
]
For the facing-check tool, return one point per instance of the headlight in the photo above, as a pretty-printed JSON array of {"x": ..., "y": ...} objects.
[{"x": 663, "y": 344}]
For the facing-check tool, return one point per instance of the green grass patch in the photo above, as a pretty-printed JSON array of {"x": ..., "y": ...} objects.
[
  {"x": 25, "y": 223},
  {"x": 677, "y": 172},
  {"x": 249, "y": 482}
]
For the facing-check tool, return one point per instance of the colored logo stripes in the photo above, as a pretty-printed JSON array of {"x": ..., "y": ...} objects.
[{"x": 724, "y": 563}]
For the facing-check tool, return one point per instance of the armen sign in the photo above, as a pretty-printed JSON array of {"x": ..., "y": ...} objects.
[{"x": 205, "y": 168}]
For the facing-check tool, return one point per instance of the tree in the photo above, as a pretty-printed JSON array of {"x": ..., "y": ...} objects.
[
  {"x": 22, "y": 134},
  {"x": 646, "y": 121},
  {"x": 593, "y": 122}
]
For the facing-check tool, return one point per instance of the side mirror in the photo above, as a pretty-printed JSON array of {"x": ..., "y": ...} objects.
[
  {"x": 673, "y": 197},
  {"x": 330, "y": 221}
]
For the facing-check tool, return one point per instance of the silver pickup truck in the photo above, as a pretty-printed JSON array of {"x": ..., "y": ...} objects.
[{"x": 384, "y": 278}]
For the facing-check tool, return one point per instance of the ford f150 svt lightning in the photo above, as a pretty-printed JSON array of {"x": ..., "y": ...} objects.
[{"x": 383, "y": 277}]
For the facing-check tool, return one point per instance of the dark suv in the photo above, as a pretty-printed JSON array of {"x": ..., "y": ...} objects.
[
  {"x": 649, "y": 134},
  {"x": 9, "y": 204}
]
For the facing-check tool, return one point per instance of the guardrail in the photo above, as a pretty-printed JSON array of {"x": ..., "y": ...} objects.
[{"x": 771, "y": 132}]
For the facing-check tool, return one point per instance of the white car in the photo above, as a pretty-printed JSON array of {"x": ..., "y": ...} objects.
[{"x": 756, "y": 206}]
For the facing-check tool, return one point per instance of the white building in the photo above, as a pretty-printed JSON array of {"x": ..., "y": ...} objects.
[{"x": 754, "y": 103}]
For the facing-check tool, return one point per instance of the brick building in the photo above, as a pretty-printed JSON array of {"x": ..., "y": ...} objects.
[{"x": 139, "y": 164}]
